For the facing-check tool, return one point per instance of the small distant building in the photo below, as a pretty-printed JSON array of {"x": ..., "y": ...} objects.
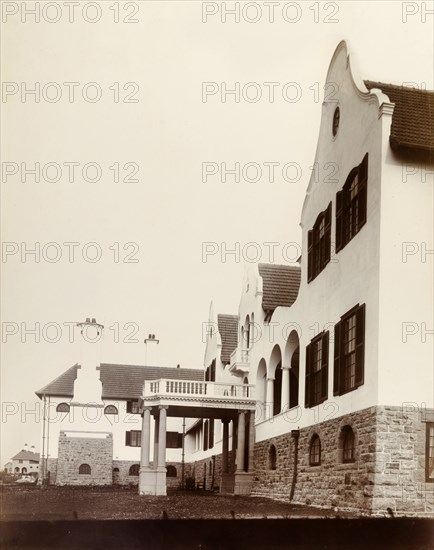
[{"x": 24, "y": 462}]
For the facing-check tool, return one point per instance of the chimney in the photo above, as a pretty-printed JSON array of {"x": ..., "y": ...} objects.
[
  {"x": 151, "y": 351},
  {"x": 87, "y": 386},
  {"x": 26, "y": 447}
]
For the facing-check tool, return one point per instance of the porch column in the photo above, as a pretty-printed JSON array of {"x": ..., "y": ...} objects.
[
  {"x": 285, "y": 388},
  {"x": 146, "y": 433},
  {"x": 156, "y": 432},
  {"x": 225, "y": 454},
  {"x": 162, "y": 437},
  {"x": 234, "y": 445},
  {"x": 251, "y": 463},
  {"x": 241, "y": 440},
  {"x": 270, "y": 398}
]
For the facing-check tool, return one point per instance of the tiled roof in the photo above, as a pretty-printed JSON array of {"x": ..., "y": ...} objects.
[
  {"x": 26, "y": 455},
  {"x": 412, "y": 129},
  {"x": 228, "y": 329},
  {"x": 280, "y": 284},
  {"x": 119, "y": 381}
]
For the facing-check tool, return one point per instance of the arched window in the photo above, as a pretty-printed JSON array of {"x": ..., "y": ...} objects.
[
  {"x": 171, "y": 471},
  {"x": 24, "y": 470},
  {"x": 348, "y": 445},
  {"x": 84, "y": 469},
  {"x": 62, "y": 408},
  {"x": 134, "y": 470},
  {"x": 115, "y": 470},
  {"x": 272, "y": 458},
  {"x": 17, "y": 469},
  {"x": 111, "y": 409},
  {"x": 315, "y": 451}
]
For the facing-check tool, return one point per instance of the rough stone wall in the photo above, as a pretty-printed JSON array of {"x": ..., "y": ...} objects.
[
  {"x": 209, "y": 480},
  {"x": 400, "y": 483},
  {"x": 387, "y": 476},
  {"x": 96, "y": 452},
  {"x": 333, "y": 483},
  {"x": 123, "y": 477}
]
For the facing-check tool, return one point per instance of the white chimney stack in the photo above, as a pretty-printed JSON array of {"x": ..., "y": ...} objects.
[
  {"x": 151, "y": 344},
  {"x": 87, "y": 386}
]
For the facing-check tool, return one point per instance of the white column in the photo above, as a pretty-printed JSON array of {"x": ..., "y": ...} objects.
[
  {"x": 162, "y": 438},
  {"x": 156, "y": 433},
  {"x": 146, "y": 432},
  {"x": 270, "y": 398},
  {"x": 285, "y": 389},
  {"x": 241, "y": 440}
]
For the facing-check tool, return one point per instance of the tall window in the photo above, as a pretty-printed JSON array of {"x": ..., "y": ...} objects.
[
  {"x": 134, "y": 470},
  {"x": 173, "y": 440},
  {"x": 348, "y": 445},
  {"x": 318, "y": 244},
  {"x": 315, "y": 451},
  {"x": 84, "y": 469},
  {"x": 351, "y": 205},
  {"x": 429, "y": 458},
  {"x": 317, "y": 361},
  {"x": 272, "y": 458},
  {"x": 349, "y": 351},
  {"x": 171, "y": 471},
  {"x": 133, "y": 438}
]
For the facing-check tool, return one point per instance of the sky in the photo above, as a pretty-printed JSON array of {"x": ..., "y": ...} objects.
[{"x": 151, "y": 124}]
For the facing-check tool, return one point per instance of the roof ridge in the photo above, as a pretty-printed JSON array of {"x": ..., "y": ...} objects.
[{"x": 398, "y": 86}]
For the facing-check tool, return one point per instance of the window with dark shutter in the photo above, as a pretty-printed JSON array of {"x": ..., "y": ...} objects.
[
  {"x": 173, "y": 440},
  {"x": 211, "y": 433},
  {"x": 205, "y": 436},
  {"x": 351, "y": 205},
  {"x": 317, "y": 370},
  {"x": 319, "y": 243},
  {"x": 349, "y": 352},
  {"x": 429, "y": 453},
  {"x": 308, "y": 375},
  {"x": 133, "y": 438}
]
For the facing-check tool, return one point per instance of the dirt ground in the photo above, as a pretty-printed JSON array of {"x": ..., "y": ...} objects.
[{"x": 26, "y": 503}]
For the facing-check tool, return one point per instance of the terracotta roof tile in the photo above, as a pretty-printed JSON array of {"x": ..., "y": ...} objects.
[
  {"x": 228, "y": 329},
  {"x": 119, "y": 381},
  {"x": 412, "y": 131},
  {"x": 280, "y": 284}
]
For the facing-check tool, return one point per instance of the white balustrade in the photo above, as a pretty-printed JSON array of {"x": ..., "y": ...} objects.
[{"x": 194, "y": 388}]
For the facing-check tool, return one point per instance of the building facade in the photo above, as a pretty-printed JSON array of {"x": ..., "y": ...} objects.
[
  {"x": 338, "y": 347},
  {"x": 333, "y": 352}
]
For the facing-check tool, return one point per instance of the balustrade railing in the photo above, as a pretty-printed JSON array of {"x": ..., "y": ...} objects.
[{"x": 194, "y": 388}]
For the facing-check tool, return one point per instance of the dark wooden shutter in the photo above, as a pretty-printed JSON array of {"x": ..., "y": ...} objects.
[
  {"x": 211, "y": 433},
  {"x": 325, "y": 366},
  {"x": 308, "y": 375},
  {"x": 339, "y": 220},
  {"x": 179, "y": 442},
  {"x": 129, "y": 404},
  {"x": 337, "y": 359},
  {"x": 360, "y": 345},
  {"x": 205, "y": 436},
  {"x": 328, "y": 224},
  {"x": 128, "y": 439},
  {"x": 309, "y": 255},
  {"x": 363, "y": 192}
]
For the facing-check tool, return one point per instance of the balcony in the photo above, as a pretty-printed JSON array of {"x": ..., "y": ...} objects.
[
  {"x": 240, "y": 363},
  {"x": 201, "y": 396}
]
